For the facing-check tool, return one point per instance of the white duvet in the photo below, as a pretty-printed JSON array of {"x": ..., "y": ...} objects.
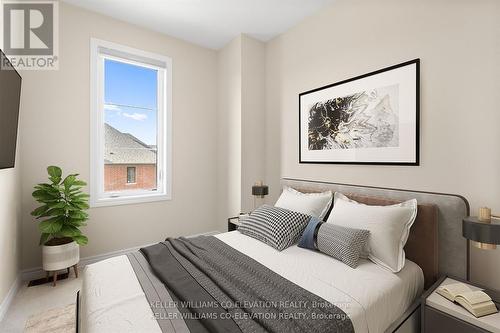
[{"x": 372, "y": 296}]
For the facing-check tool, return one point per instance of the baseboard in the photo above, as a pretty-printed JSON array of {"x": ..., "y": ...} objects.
[
  {"x": 4, "y": 306},
  {"x": 37, "y": 272}
]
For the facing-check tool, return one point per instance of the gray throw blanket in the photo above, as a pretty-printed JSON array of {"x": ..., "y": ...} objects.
[{"x": 214, "y": 288}]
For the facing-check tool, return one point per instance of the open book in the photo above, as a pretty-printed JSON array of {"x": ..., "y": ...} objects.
[{"x": 476, "y": 302}]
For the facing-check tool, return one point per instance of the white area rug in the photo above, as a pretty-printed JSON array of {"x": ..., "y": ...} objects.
[{"x": 58, "y": 320}]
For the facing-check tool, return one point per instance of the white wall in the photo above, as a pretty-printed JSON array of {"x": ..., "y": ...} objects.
[
  {"x": 240, "y": 125},
  {"x": 228, "y": 132},
  {"x": 9, "y": 228},
  {"x": 458, "y": 44},
  {"x": 55, "y": 127},
  {"x": 252, "y": 118}
]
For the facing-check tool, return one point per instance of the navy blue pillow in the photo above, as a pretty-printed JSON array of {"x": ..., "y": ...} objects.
[
  {"x": 342, "y": 243},
  {"x": 308, "y": 239}
]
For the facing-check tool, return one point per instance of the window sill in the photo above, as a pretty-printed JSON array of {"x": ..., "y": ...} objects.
[{"x": 129, "y": 200}]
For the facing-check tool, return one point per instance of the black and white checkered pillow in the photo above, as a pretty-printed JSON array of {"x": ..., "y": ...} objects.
[
  {"x": 277, "y": 227},
  {"x": 342, "y": 243}
]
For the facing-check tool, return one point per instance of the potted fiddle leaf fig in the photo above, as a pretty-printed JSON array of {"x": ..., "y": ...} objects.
[{"x": 62, "y": 213}]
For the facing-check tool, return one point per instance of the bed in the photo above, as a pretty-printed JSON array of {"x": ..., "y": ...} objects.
[{"x": 124, "y": 294}]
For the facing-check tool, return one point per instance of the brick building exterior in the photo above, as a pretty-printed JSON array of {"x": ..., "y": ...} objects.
[
  {"x": 115, "y": 177},
  {"x": 129, "y": 164}
]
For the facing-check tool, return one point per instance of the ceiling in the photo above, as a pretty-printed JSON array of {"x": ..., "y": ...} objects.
[{"x": 209, "y": 23}]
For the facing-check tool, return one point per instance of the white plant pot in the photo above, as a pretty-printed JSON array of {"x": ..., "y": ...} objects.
[{"x": 58, "y": 257}]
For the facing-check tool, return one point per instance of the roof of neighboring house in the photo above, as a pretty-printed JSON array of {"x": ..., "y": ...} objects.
[{"x": 124, "y": 148}]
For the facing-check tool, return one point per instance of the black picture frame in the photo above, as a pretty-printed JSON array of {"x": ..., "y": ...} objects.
[{"x": 416, "y": 161}]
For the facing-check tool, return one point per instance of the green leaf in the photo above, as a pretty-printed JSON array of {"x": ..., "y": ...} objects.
[
  {"x": 55, "y": 180},
  {"x": 51, "y": 226},
  {"x": 72, "y": 208},
  {"x": 44, "y": 185},
  {"x": 69, "y": 231},
  {"x": 79, "y": 183},
  {"x": 42, "y": 194},
  {"x": 43, "y": 238},
  {"x": 54, "y": 171},
  {"x": 78, "y": 200},
  {"x": 81, "y": 205},
  {"x": 56, "y": 212},
  {"x": 48, "y": 188},
  {"x": 60, "y": 204},
  {"x": 68, "y": 182},
  {"x": 78, "y": 215},
  {"x": 81, "y": 240},
  {"x": 80, "y": 196},
  {"x": 76, "y": 223},
  {"x": 40, "y": 210}
]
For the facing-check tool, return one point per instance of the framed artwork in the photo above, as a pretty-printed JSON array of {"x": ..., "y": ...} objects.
[{"x": 369, "y": 119}]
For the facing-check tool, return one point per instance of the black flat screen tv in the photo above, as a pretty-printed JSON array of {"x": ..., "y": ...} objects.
[{"x": 10, "y": 94}]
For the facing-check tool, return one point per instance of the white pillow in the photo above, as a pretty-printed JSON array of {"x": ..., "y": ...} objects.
[
  {"x": 314, "y": 204},
  {"x": 389, "y": 227}
]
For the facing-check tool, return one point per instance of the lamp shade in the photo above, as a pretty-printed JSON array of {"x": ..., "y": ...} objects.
[
  {"x": 260, "y": 190},
  {"x": 481, "y": 232}
]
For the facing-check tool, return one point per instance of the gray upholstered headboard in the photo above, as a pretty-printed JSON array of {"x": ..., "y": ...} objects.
[{"x": 452, "y": 247}]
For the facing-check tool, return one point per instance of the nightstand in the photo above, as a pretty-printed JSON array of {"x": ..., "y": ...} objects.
[
  {"x": 234, "y": 222},
  {"x": 441, "y": 315}
]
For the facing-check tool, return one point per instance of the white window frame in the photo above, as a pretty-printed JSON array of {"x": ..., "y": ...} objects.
[{"x": 99, "y": 198}]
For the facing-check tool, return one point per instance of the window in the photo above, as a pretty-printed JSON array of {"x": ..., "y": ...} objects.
[
  {"x": 130, "y": 175},
  {"x": 130, "y": 125}
]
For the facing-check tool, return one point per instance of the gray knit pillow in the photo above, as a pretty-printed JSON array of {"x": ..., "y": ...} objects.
[{"x": 342, "y": 243}]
